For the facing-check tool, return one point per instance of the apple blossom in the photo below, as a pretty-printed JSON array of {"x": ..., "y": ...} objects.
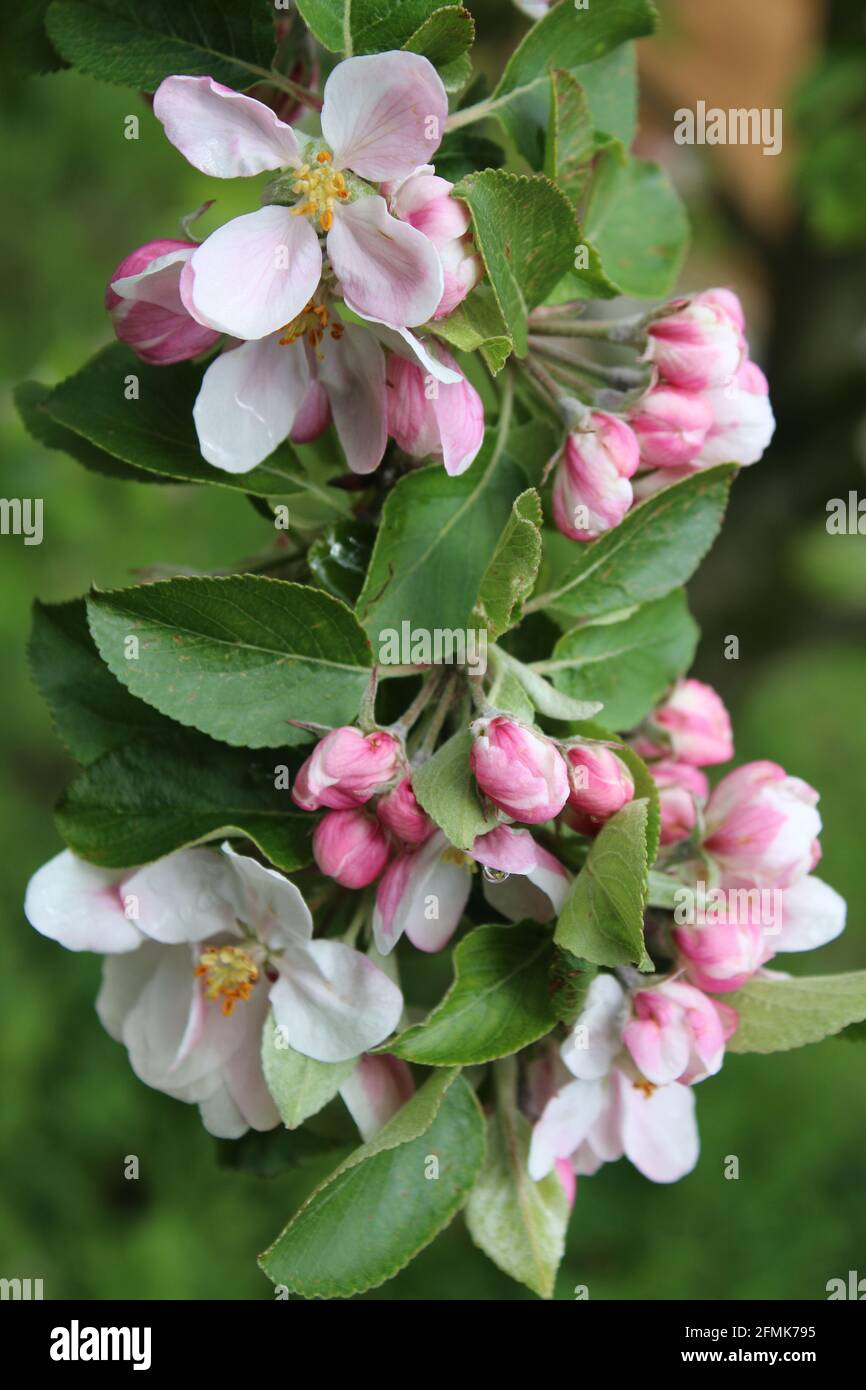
[
  {"x": 697, "y": 346},
  {"x": 428, "y": 417},
  {"x": 722, "y": 955},
  {"x": 147, "y": 312},
  {"x": 350, "y": 846},
  {"x": 375, "y": 1091},
  {"x": 677, "y": 1034},
  {"x": 523, "y": 878},
  {"x": 592, "y": 492},
  {"x": 743, "y": 421},
  {"x": 671, "y": 425},
  {"x": 199, "y": 946},
  {"x": 383, "y": 115},
  {"x": 521, "y": 771},
  {"x": 346, "y": 768},
  {"x": 400, "y": 813},
  {"x": 600, "y": 783},
  {"x": 423, "y": 893},
  {"x": 682, "y": 788},
  {"x": 762, "y": 826},
  {"x": 424, "y": 201},
  {"x": 697, "y": 725}
]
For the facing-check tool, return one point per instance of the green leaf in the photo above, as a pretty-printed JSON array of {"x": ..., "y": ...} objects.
[
  {"x": 644, "y": 789},
  {"x": 477, "y": 325},
  {"x": 236, "y": 657},
  {"x": 519, "y": 1224},
  {"x": 365, "y": 26},
  {"x": 379, "y": 1208},
  {"x": 339, "y": 558},
  {"x": 654, "y": 550},
  {"x": 570, "y": 136},
  {"x": 602, "y": 916},
  {"x": 268, "y": 1153},
  {"x": 30, "y": 398},
  {"x": 570, "y": 979},
  {"x": 445, "y": 788},
  {"x": 627, "y": 662},
  {"x": 511, "y": 574},
  {"x": 444, "y": 37},
  {"x": 564, "y": 38},
  {"x": 525, "y": 231},
  {"x": 136, "y": 804},
  {"x": 435, "y": 536},
  {"x": 556, "y": 704},
  {"x": 139, "y": 42},
  {"x": 610, "y": 83},
  {"x": 155, "y": 432},
  {"x": 636, "y": 221},
  {"x": 499, "y": 1001},
  {"x": 91, "y": 711},
  {"x": 300, "y": 1086},
  {"x": 776, "y": 1015}
]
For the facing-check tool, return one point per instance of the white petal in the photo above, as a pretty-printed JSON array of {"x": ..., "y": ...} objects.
[
  {"x": 413, "y": 349},
  {"x": 255, "y": 274},
  {"x": 222, "y": 132},
  {"x": 813, "y": 913},
  {"x": 221, "y": 1115},
  {"x": 375, "y": 1091},
  {"x": 270, "y": 904},
  {"x": 384, "y": 114},
  {"x": 386, "y": 268},
  {"x": 123, "y": 979},
  {"x": 352, "y": 372},
  {"x": 333, "y": 1002},
  {"x": 248, "y": 401},
  {"x": 159, "y": 283},
  {"x": 183, "y": 897},
  {"x": 591, "y": 1047},
  {"x": 565, "y": 1123},
  {"x": 659, "y": 1131},
  {"x": 80, "y": 905}
]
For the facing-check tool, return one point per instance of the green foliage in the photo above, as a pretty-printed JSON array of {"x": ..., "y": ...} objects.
[
  {"x": 602, "y": 916},
  {"x": 300, "y": 1086},
  {"x": 775, "y": 1015},
  {"x": 445, "y": 787}
]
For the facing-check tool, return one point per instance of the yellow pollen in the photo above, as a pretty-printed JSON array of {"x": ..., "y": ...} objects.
[
  {"x": 229, "y": 973},
  {"x": 319, "y": 187},
  {"x": 646, "y": 1086},
  {"x": 310, "y": 323}
]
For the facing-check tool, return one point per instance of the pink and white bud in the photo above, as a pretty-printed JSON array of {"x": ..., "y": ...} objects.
[
  {"x": 346, "y": 768},
  {"x": 351, "y": 847},
  {"x": 743, "y": 420},
  {"x": 721, "y": 956},
  {"x": 697, "y": 724},
  {"x": 429, "y": 417},
  {"x": 147, "y": 312},
  {"x": 600, "y": 785},
  {"x": 424, "y": 201},
  {"x": 696, "y": 347},
  {"x": 400, "y": 813},
  {"x": 762, "y": 826},
  {"x": 682, "y": 788},
  {"x": 591, "y": 491},
  {"x": 728, "y": 302},
  {"x": 671, "y": 426},
  {"x": 522, "y": 772},
  {"x": 677, "y": 1034}
]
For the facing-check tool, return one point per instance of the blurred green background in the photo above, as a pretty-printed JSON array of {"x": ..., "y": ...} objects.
[{"x": 791, "y": 239}]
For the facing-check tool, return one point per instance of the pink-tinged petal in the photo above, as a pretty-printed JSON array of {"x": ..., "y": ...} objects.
[
  {"x": 506, "y": 849},
  {"x": 376, "y": 1090},
  {"x": 565, "y": 1123},
  {"x": 425, "y": 898},
  {"x": 314, "y": 416},
  {"x": 248, "y": 401},
  {"x": 221, "y": 1115},
  {"x": 352, "y": 372},
  {"x": 660, "y": 1050},
  {"x": 384, "y": 114},
  {"x": 459, "y": 414},
  {"x": 813, "y": 913},
  {"x": 255, "y": 274},
  {"x": 146, "y": 308},
  {"x": 269, "y": 904},
  {"x": 221, "y": 132},
  {"x": 80, "y": 906},
  {"x": 123, "y": 979},
  {"x": 333, "y": 1002},
  {"x": 243, "y": 1074},
  {"x": 388, "y": 922},
  {"x": 590, "y": 1048},
  {"x": 659, "y": 1131},
  {"x": 386, "y": 269},
  {"x": 406, "y": 344},
  {"x": 183, "y": 897},
  {"x": 568, "y": 1179},
  {"x": 535, "y": 883}
]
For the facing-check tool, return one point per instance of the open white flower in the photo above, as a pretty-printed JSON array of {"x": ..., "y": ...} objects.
[{"x": 198, "y": 947}]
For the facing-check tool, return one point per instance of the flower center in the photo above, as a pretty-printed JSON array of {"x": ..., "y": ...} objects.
[
  {"x": 646, "y": 1087},
  {"x": 319, "y": 187},
  {"x": 229, "y": 972},
  {"x": 311, "y": 323}
]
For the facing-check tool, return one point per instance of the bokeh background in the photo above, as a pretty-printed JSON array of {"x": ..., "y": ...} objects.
[{"x": 789, "y": 233}]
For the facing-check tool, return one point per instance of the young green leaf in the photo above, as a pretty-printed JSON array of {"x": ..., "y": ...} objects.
[
  {"x": 511, "y": 573},
  {"x": 477, "y": 325},
  {"x": 137, "y": 803},
  {"x": 30, "y": 399},
  {"x": 446, "y": 35},
  {"x": 236, "y": 657},
  {"x": 776, "y": 1015},
  {"x": 445, "y": 788},
  {"x": 602, "y": 916},
  {"x": 386, "y": 1202},
  {"x": 300, "y": 1086},
  {"x": 499, "y": 1001},
  {"x": 365, "y": 26},
  {"x": 570, "y": 135},
  {"x": 636, "y": 221}
]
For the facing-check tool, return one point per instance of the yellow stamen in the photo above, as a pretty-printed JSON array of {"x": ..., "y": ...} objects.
[
  {"x": 646, "y": 1086},
  {"x": 311, "y": 323},
  {"x": 229, "y": 973},
  {"x": 319, "y": 187}
]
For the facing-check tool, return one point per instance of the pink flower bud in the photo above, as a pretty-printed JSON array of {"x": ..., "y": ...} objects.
[
  {"x": 147, "y": 312},
  {"x": 400, "y": 813},
  {"x": 426, "y": 416},
  {"x": 722, "y": 956},
  {"x": 600, "y": 784},
  {"x": 677, "y": 1033},
  {"x": 314, "y": 416},
  {"x": 743, "y": 421},
  {"x": 681, "y": 789},
  {"x": 697, "y": 723},
  {"x": 762, "y": 826},
  {"x": 728, "y": 302},
  {"x": 522, "y": 772},
  {"x": 671, "y": 426},
  {"x": 351, "y": 847},
  {"x": 345, "y": 769},
  {"x": 696, "y": 347},
  {"x": 591, "y": 493},
  {"x": 424, "y": 201}
]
